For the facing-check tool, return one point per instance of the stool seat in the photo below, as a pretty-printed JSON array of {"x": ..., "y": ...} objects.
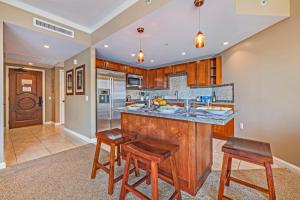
[
  {"x": 249, "y": 149},
  {"x": 152, "y": 149},
  {"x": 150, "y": 152},
  {"x": 114, "y": 138},
  {"x": 255, "y": 152}
]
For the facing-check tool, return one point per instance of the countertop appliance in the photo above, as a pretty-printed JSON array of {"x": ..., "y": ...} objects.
[
  {"x": 134, "y": 81},
  {"x": 111, "y": 94}
]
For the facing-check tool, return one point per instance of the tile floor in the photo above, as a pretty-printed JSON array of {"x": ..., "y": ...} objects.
[
  {"x": 29, "y": 143},
  {"x": 24, "y": 144}
]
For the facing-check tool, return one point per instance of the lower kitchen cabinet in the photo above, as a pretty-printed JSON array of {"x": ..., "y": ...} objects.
[{"x": 224, "y": 131}]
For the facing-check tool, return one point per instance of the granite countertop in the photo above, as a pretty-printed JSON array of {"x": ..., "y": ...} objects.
[
  {"x": 182, "y": 101},
  {"x": 193, "y": 115}
]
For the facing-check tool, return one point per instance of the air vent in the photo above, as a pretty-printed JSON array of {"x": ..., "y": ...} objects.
[{"x": 52, "y": 27}]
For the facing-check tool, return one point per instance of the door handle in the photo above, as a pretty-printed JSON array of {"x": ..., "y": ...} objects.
[{"x": 40, "y": 101}]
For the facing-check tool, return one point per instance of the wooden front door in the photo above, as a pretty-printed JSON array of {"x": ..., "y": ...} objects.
[{"x": 25, "y": 98}]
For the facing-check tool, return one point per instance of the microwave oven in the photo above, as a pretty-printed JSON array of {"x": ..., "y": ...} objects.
[{"x": 134, "y": 81}]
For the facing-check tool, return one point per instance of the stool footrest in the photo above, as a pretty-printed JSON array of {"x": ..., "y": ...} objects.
[
  {"x": 121, "y": 176},
  {"x": 136, "y": 192},
  {"x": 261, "y": 189}
]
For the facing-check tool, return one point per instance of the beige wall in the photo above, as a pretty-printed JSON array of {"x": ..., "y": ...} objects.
[
  {"x": 80, "y": 114},
  {"x": 1, "y": 94},
  {"x": 266, "y": 73}
]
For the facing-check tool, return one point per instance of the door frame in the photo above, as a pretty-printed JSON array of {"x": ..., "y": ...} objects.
[
  {"x": 7, "y": 91},
  {"x": 61, "y": 95}
]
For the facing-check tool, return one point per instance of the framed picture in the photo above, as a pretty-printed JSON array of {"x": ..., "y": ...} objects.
[
  {"x": 80, "y": 80},
  {"x": 69, "y": 82}
]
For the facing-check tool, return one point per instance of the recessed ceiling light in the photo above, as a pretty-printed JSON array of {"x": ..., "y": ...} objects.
[
  {"x": 46, "y": 46},
  {"x": 226, "y": 43},
  {"x": 106, "y": 45},
  {"x": 30, "y": 63},
  {"x": 152, "y": 61},
  {"x": 183, "y": 53},
  {"x": 133, "y": 54}
]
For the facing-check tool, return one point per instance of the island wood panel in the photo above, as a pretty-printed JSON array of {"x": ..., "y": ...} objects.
[{"x": 194, "y": 158}]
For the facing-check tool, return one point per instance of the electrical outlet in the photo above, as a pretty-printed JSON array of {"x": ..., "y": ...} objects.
[
  {"x": 86, "y": 98},
  {"x": 241, "y": 125},
  {"x": 49, "y": 98}
]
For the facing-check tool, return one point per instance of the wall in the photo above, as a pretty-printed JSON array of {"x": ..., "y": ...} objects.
[
  {"x": 1, "y": 94},
  {"x": 266, "y": 72},
  {"x": 80, "y": 114}
]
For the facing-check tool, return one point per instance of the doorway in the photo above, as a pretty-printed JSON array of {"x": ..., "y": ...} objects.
[
  {"x": 62, "y": 96},
  {"x": 25, "y": 98}
]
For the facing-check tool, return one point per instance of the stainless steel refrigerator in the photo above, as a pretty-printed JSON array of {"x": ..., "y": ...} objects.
[{"x": 111, "y": 94}]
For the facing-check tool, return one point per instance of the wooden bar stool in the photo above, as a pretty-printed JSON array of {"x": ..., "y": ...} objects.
[
  {"x": 250, "y": 151},
  {"x": 151, "y": 153},
  {"x": 114, "y": 138}
]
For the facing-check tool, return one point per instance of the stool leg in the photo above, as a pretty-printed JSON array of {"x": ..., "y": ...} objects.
[
  {"x": 111, "y": 170},
  {"x": 175, "y": 178},
  {"x": 96, "y": 157},
  {"x": 136, "y": 168},
  {"x": 270, "y": 181},
  {"x": 125, "y": 177},
  {"x": 154, "y": 180},
  {"x": 223, "y": 176},
  {"x": 148, "y": 181},
  {"x": 119, "y": 155},
  {"x": 228, "y": 172}
]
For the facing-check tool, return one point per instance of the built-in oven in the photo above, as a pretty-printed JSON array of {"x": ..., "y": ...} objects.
[{"x": 134, "y": 81}]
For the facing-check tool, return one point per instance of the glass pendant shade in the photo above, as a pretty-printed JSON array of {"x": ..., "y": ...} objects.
[
  {"x": 140, "y": 56},
  {"x": 200, "y": 40}
]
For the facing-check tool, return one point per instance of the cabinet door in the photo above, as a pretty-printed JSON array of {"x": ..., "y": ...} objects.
[
  {"x": 145, "y": 79},
  {"x": 152, "y": 79},
  {"x": 161, "y": 80},
  {"x": 138, "y": 71},
  {"x": 181, "y": 68},
  {"x": 191, "y": 69},
  {"x": 168, "y": 70},
  {"x": 129, "y": 70},
  {"x": 219, "y": 70},
  {"x": 203, "y": 74},
  {"x": 100, "y": 64},
  {"x": 113, "y": 66}
]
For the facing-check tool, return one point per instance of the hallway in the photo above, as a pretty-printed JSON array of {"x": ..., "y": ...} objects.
[{"x": 29, "y": 143}]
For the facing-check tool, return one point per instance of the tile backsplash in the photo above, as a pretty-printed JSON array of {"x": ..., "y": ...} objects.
[{"x": 179, "y": 83}]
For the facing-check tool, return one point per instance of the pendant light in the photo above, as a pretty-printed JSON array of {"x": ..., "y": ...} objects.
[
  {"x": 200, "y": 37},
  {"x": 140, "y": 55}
]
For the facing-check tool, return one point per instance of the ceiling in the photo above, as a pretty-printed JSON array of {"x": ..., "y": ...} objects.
[
  {"x": 23, "y": 45},
  {"x": 87, "y": 15},
  {"x": 170, "y": 30}
]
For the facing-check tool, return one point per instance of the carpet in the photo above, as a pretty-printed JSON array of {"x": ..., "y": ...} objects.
[{"x": 66, "y": 175}]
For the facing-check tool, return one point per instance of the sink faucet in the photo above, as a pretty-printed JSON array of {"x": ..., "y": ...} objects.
[{"x": 176, "y": 94}]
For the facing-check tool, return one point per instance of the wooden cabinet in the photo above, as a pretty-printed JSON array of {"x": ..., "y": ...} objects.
[
  {"x": 168, "y": 70},
  {"x": 100, "y": 64},
  {"x": 115, "y": 67},
  {"x": 151, "y": 78},
  {"x": 198, "y": 73},
  {"x": 191, "y": 69},
  {"x": 161, "y": 79},
  {"x": 223, "y": 132},
  {"x": 216, "y": 71},
  {"x": 181, "y": 68}
]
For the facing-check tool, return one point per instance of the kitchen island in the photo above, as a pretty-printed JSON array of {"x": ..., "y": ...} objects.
[{"x": 191, "y": 131}]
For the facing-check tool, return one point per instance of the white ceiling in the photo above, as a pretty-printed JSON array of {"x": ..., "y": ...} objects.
[
  {"x": 23, "y": 45},
  {"x": 85, "y": 15},
  {"x": 176, "y": 24}
]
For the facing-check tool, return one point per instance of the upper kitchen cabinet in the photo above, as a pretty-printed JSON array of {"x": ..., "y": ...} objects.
[
  {"x": 204, "y": 72},
  {"x": 180, "y": 68},
  {"x": 191, "y": 71},
  {"x": 115, "y": 67},
  {"x": 216, "y": 71},
  {"x": 100, "y": 63},
  {"x": 157, "y": 79}
]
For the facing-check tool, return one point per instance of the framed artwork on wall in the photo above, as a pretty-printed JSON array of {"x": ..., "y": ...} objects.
[
  {"x": 80, "y": 80},
  {"x": 69, "y": 82}
]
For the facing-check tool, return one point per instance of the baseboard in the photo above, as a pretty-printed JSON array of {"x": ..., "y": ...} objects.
[
  {"x": 80, "y": 136},
  {"x": 285, "y": 164},
  {"x": 49, "y": 122},
  {"x": 2, "y": 165},
  {"x": 57, "y": 123}
]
